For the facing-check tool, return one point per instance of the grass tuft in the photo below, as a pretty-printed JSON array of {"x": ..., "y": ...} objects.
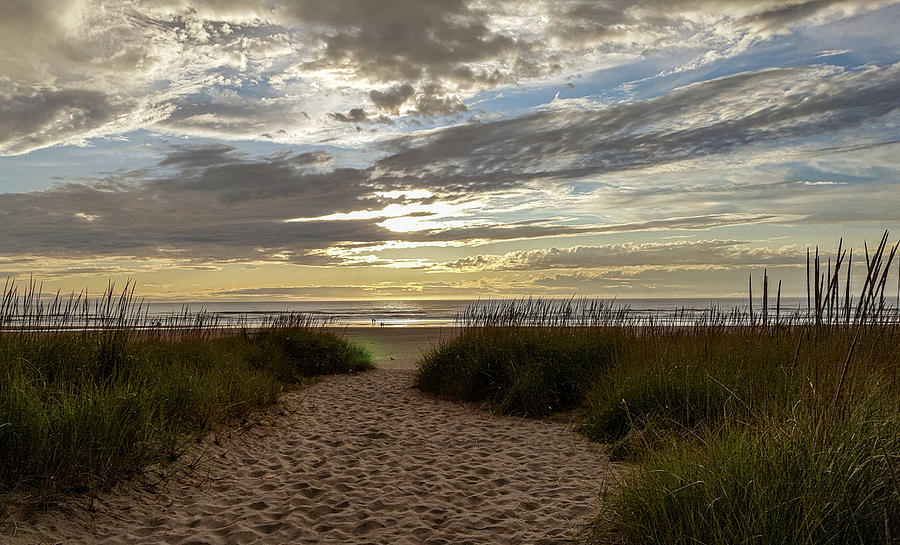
[
  {"x": 670, "y": 399},
  {"x": 83, "y": 407},
  {"x": 526, "y": 371},
  {"x": 295, "y": 353},
  {"x": 776, "y": 484}
]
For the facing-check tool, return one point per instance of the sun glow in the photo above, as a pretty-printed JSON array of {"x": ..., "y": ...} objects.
[{"x": 403, "y": 217}]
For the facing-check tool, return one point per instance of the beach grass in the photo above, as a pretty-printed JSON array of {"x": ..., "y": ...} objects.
[
  {"x": 530, "y": 371},
  {"x": 788, "y": 482},
  {"x": 82, "y": 408},
  {"x": 745, "y": 427},
  {"x": 766, "y": 436}
]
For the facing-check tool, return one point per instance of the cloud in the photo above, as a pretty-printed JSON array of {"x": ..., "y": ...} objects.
[
  {"x": 545, "y": 229},
  {"x": 406, "y": 40},
  {"x": 199, "y": 156},
  {"x": 432, "y": 105},
  {"x": 322, "y": 292},
  {"x": 356, "y": 115},
  {"x": 700, "y": 252},
  {"x": 427, "y": 289},
  {"x": 214, "y": 203},
  {"x": 270, "y": 70},
  {"x": 207, "y": 204},
  {"x": 392, "y": 99},
  {"x": 779, "y": 17},
  {"x": 193, "y": 158},
  {"x": 691, "y": 282},
  {"x": 230, "y": 116},
  {"x": 702, "y": 119},
  {"x": 359, "y": 115},
  {"x": 42, "y": 117},
  {"x": 430, "y": 101},
  {"x": 820, "y": 202}
]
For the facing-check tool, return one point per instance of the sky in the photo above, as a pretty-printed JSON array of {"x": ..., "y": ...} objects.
[{"x": 362, "y": 149}]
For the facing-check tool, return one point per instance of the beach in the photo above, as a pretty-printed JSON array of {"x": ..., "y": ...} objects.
[
  {"x": 359, "y": 458},
  {"x": 398, "y": 347}
]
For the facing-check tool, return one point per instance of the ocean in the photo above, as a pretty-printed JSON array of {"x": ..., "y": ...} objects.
[{"x": 420, "y": 313}]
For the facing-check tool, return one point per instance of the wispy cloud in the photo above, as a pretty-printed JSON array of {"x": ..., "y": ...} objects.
[
  {"x": 693, "y": 252},
  {"x": 702, "y": 119},
  {"x": 257, "y": 69}
]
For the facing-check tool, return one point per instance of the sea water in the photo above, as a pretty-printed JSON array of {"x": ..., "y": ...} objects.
[{"x": 422, "y": 313}]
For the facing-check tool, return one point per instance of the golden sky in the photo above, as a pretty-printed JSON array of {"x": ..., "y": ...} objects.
[{"x": 302, "y": 149}]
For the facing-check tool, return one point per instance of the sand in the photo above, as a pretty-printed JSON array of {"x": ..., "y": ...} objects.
[
  {"x": 398, "y": 347},
  {"x": 357, "y": 459}
]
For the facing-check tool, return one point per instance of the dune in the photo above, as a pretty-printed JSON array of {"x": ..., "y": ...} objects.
[{"x": 357, "y": 459}]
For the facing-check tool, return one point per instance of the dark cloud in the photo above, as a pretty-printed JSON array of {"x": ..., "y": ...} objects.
[
  {"x": 593, "y": 22},
  {"x": 200, "y": 156},
  {"x": 430, "y": 101},
  {"x": 219, "y": 207},
  {"x": 214, "y": 204},
  {"x": 702, "y": 119},
  {"x": 779, "y": 17},
  {"x": 232, "y": 116},
  {"x": 41, "y": 48},
  {"x": 657, "y": 23},
  {"x": 392, "y": 99},
  {"x": 431, "y": 105},
  {"x": 359, "y": 115},
  {"x": 41, "y": 117},
  {"x": 406, "y": 40},
  {"x": 356, "y": 115}
]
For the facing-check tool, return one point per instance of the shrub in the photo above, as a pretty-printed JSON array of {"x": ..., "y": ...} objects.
[
  {"x": 299, "y": 352},
  {"x": 787, "y": 484},
  {"x": 517, "y": 370}
]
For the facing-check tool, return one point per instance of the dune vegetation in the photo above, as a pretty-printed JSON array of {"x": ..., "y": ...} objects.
[
  {"x": 92, "y": 390},
  {"x": 743, "y": 427}
]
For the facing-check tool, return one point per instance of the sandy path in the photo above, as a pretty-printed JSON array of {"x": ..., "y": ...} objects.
[{"x": 362, "y": 459}]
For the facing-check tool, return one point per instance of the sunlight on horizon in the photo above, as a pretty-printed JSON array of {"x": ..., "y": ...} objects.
[{"x": 443, "y": 150}]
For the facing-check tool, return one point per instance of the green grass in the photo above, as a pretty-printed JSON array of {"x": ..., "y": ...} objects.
[
  {"x": 529, "y": 371},
  {"x": 640, "y": 413},
  {"x": 780, "y": 483},
  {"x": 79, "y": 410},
  {"x": 746, "y": 428},
  {"x": 777, "y": 434},
  {"x": 304, "y": 352},
  {"x": 754, "y": 435}
]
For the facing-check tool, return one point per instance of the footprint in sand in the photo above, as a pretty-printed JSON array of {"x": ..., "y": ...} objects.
[{"x": 362, "y": 459}]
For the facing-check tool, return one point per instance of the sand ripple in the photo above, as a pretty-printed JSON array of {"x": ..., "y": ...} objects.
[{"x": 361, "y": 459}]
